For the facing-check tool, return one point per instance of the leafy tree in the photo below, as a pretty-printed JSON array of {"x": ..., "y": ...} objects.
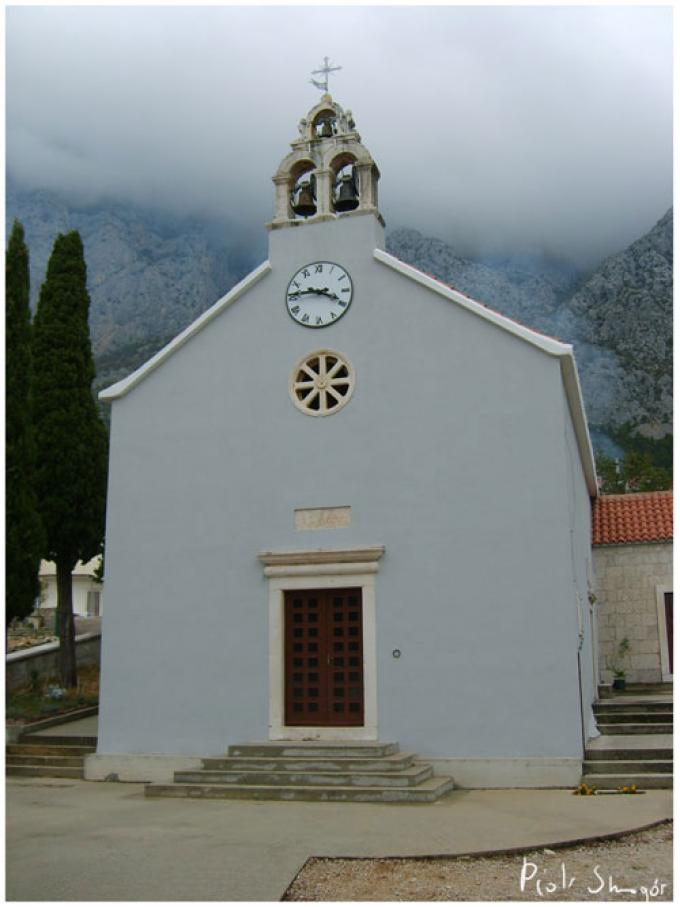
[
  {"x": 636, "y": 472},
  {"x": 23, "y": 529},
  {"x": 629, "y": 439},
  {"x": 609, "y": 474},
  {"x": 71, "y": 438},
  {"x": 642, "y": 475}
]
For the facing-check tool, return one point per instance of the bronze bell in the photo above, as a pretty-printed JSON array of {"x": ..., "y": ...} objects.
[
  {"x": 326, "y": 129},
  {"x": 305, "y": 205},
  {"x": 347, "y": 198}
]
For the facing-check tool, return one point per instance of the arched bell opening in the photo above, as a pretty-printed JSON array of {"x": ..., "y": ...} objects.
[
  {"x": 345, "y": 187},
  {"x": 303, "y": 190},
  {"x": 325, "y": 125}
]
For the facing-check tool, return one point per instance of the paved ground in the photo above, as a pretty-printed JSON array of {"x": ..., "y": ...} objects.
[{"x": 89, "y": 841}]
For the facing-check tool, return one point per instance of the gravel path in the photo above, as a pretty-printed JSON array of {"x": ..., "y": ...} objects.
[{"x": 642, "y": 861}]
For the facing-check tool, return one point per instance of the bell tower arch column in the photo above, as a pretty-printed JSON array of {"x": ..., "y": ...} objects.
[{"x": 282, "y": 210}]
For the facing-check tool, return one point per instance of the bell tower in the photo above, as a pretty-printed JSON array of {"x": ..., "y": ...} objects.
[{"x": 328, "y": 174}]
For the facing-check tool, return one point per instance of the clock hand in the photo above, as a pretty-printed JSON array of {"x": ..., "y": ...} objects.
[
  {"x": 317, "y": 291},
  {"x": 325, "y": 292}
]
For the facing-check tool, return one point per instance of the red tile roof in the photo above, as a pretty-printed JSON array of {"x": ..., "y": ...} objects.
[{"x": 623, "y": 519}]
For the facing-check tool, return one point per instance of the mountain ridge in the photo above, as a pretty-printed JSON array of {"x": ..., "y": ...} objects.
[{"x": 151, "y": 274}]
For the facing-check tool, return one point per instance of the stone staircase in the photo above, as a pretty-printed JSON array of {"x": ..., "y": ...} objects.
[
  {"x": 634, "y": 715},
  {"x": 48, "y": 757},
  {"x": 636, "y": 746},
  {"x": 314, "y": 770}
]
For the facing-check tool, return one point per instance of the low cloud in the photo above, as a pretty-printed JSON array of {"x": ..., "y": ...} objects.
[{"x": 495, "y": 128}]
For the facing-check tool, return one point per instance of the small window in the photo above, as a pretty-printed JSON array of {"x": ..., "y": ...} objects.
[{"x": 93, "y": 603}]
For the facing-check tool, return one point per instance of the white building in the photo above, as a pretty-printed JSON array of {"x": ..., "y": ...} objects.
[
  {"x": 87, "y": 591},
  {"x": 358, "y": 504}
]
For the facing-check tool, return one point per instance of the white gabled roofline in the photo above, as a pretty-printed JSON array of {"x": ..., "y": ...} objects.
[
  {"x": 123, "y": 387},
  {"x": 572, "y": 388},
  {"x": 547, "y": 344},
  {"x": 563, "y": 351}
]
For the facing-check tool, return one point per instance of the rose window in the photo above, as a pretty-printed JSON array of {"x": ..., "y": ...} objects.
[{"x": 321, "y": 383}]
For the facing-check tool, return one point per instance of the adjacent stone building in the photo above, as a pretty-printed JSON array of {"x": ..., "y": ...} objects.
[{"x": 633, "y": 563}]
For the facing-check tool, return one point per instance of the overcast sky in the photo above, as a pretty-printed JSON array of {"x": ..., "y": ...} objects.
[{"x": 494, "y": 127}]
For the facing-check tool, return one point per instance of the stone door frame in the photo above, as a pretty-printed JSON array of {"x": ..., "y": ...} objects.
[
  {"x": 666, "y": 675},
  {"x": 321, "y": 569}
]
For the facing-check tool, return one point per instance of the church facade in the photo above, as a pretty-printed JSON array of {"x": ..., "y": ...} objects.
[{"x": 349, "y": 503}]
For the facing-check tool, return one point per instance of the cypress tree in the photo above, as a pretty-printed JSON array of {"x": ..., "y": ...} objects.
[
  {"x": 71, "y": 438},
  {"x": 23, "y": 530}
]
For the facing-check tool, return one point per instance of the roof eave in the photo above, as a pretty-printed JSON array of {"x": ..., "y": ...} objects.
[{"x": 626, "y": 542}]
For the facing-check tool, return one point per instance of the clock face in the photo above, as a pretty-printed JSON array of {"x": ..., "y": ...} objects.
[{"x": 319, "y": 294}]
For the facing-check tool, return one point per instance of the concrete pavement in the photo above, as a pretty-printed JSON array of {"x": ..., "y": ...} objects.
[{"x": 89, "y": 841}]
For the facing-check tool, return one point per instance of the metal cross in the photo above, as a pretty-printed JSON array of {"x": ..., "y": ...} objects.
[{"x": 324, "y": 70}]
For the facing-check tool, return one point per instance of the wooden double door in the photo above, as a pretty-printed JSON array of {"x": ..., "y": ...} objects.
[{"x": 324, "y": 673}]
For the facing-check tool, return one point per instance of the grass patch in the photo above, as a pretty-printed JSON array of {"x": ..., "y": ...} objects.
[{"x": 32, "y": 702}]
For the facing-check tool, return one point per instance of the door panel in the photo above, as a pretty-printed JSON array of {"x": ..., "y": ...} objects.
[{"x": 324, "y": 682}]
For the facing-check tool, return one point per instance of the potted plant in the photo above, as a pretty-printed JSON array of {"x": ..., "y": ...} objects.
[{"x": 616, "y": 666}]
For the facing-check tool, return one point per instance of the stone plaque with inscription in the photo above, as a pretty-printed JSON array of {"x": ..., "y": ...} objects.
[{"x": 323, "y": 517}]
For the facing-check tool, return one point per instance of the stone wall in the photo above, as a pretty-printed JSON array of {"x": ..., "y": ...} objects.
[
  {"x": 44, "y": 659},
  {"x": 627, "y": 580}
]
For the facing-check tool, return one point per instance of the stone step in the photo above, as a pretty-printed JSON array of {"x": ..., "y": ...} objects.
[
  {"x": 649, "y": 689},
  {"x": 644, "y": 781},
  {"x": 43, "y": 771},
  {"x": 314, "y": 748},
  {"x": 426, "y": 792},
  {"x": 54, "y": 740},
  {"x": 20, "y": 749},
  {"x": 33, "y": 759},
  {"x": 608, "y": 707},
  {"x": 627, "y": 753},
  {"x": 607, "y": 717},
  {"x": 309, "y": 764},
  {"x": 615, "y": 729},
  {"x": 622, "y": 766},
  {"x": 636, "y": 689},
  {"x": 408, "y": 777}
]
